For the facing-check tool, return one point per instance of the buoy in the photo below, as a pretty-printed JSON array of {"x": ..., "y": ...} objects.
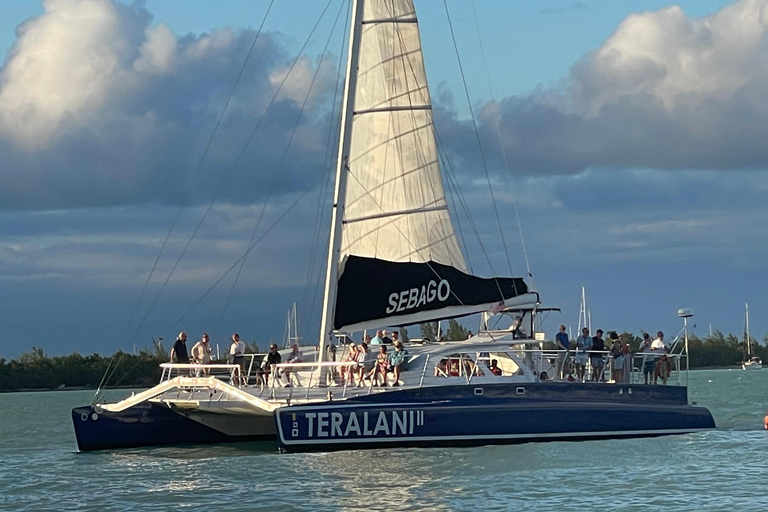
[{"x": 765, "y": 422}]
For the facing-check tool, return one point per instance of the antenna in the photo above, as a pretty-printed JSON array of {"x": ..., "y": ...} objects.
[{"x": 685, "y": 314}]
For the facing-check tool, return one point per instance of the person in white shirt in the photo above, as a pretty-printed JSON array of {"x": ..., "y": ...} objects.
[
  {"x": 237, "y": 355},
  {"x": 659, "y": 343}
]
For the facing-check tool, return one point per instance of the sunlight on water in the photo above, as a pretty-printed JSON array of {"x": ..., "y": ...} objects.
[{"x": 41, "y": 470}]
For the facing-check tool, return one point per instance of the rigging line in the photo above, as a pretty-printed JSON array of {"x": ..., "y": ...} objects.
[
  {"x": 477, "y": 135},
  {"x": 449, "y": 168},
  {"x": 454, "y": 182},
  {"x": 199, "y": 166},
  {"x": 423, "y": 91},
  {"x": 189, "y": 189},
  {"x": 282, "y": 159},
  {"x": 250, "y": 248},
  {"x": 394, "y": 224},
  {"x": 229, "y": 173},
  {"x": 501, "y": 142},
  {"x": 327, "y": 162}
]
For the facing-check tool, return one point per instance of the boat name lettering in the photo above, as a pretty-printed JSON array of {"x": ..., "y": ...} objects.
[
  {"x": 415, "y": 297},
  {"x": 363, "y": 424}
]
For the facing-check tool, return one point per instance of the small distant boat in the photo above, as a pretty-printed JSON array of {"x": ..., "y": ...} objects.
[{"x": 752, "y": 362}]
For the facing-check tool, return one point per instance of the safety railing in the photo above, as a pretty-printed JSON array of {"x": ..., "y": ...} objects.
[{"x": 564, "y": 365}]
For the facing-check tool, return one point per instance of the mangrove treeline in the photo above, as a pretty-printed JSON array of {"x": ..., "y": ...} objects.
[{"x": 35, "y": 370}]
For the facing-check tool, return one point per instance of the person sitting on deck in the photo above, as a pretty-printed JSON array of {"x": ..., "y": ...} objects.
[
  {"x": 377, "y": 340},
  {"x": 347, "y": 370},
  {"x": 583, "y": 343},
  {"x": 596, "y": 358},
  {"x": 495, "y": 367},
  {"x": 441, "y": 368},
  {"x": 399, "y": 362},
  {"x": 362, "y": 358},
  {"x": 382, "y": 366},
  {"x": 293, "y": 357},
  {"x": 385, "y": 340},
  {"x": 269, "y": 362}
]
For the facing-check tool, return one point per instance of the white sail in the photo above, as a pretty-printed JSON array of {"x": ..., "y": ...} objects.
[{"x": 395, "y": 206}]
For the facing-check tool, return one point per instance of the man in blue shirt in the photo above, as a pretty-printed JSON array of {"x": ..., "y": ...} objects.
[
  {"x": 377, "y": 340},
  {"x": 561, "y": 338}
]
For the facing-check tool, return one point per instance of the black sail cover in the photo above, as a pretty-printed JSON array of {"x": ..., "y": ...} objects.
[{"x": 373, "y": 292}]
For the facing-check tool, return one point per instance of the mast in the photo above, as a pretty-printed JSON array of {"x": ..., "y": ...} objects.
[
  {"x": 746, "y": 333},
  {"x": 342, "y": 162}
]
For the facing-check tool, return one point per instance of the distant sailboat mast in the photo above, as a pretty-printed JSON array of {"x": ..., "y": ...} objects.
[{"x": 746, "y": 331}]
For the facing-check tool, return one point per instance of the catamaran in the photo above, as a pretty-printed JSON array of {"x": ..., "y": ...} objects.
[{"x": 394, "y": 260}]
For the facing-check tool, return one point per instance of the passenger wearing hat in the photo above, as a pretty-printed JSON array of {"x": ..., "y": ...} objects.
[{"x": 398, "y": 360}]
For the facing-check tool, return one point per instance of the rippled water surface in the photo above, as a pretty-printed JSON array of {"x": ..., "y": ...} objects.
[{"x": 720, "y": 470}]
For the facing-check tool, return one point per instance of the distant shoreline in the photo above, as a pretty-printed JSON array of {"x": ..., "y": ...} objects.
[
  {"x": 66, "y": 388},
  {"x": 86, "y": 388}
]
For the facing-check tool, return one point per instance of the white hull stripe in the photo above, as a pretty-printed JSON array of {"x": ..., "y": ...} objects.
[{"x": 606, "y": 434}]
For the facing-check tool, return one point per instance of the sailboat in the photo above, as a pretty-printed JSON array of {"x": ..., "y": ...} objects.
[
  {"x": 394, "y": 259},
  {"x": 752, "y": 362}
]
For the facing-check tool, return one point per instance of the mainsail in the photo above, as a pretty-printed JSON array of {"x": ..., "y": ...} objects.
[{"x": 399, "y": 260}]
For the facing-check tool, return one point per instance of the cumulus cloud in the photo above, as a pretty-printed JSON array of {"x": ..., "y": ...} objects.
[
  {"x": 665, "y": 90},
  {"x": 99, "y": 106}
]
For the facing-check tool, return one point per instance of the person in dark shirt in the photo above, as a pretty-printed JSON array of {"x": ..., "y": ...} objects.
[
  {"x": 269, "y": 362},
  {"x": 180, "y": 349},
  {"x": 495, "y": 367},
  {"x": 386, "y": 340},
  {"x": 562, "y": 346},
  {"x": 597, "y": 360}
]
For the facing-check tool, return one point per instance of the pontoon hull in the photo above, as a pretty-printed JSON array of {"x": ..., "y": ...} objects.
[
  {"x": 157, "y": 424},
  {"x": 461, "y": 416}
]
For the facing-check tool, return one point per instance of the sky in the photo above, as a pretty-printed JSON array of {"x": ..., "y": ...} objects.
[{"x": 634, "y": 133}]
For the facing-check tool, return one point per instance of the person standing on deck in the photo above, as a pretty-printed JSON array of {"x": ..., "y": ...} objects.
[
  {"x": 617, "y": 355},
  {"x": 237, "y": 355},
  {"x": 596, "y": 358},
  {"x": 179, "y": 349},
  {"x": 659, "y": 344},
  {"x": 648, "y": 360},
  {"x": 563, "y": 343},
  {"x": 201, "y": 353},
  {"x": 583, "y": 343}
]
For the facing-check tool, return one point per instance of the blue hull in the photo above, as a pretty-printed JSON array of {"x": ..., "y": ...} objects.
[
  {"x": 490, "y": 414},
  {"x": 147, "y": 424}
]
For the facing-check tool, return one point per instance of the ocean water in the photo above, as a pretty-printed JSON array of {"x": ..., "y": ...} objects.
[{"x": 726, "y": 469}]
